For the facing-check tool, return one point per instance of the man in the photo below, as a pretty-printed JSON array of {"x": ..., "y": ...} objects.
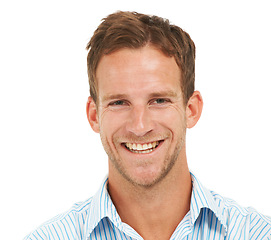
[{"x": 141, "y": 75}]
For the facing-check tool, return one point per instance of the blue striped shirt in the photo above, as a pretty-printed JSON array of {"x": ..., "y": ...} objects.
[{"x": 210, "y": 217}]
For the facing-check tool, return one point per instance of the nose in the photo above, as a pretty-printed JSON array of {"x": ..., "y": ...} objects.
[{"x": 140, "y": 122}]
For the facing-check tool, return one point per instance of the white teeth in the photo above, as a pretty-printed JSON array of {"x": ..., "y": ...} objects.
[
  {"x": 142, "y": 148},
  {"x": 145, "y": 151},
  {"x": 139, "y": 147}
]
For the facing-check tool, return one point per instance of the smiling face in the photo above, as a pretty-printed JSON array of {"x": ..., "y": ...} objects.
[{"x": 140, "y": 114}]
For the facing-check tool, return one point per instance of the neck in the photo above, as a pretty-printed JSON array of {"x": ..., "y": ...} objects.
[{"x": 154, "y": 212}]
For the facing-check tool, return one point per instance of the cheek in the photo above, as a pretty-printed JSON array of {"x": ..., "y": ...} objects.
[
  {"x": 171, "y": 117},
  {"x": 110, "y": 123},
  {"x": 173, "y": 120}
]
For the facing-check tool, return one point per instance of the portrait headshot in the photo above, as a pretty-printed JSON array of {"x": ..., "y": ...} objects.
[{"x": 136, "y": 121}]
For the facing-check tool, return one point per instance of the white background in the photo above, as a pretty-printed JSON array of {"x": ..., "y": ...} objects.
[{"x": 50, "y": 158}]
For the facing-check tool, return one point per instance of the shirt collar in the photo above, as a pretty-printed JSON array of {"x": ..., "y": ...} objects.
[
  {"x": 203, "y": 198},
  {"x": 101, "y": 206}
]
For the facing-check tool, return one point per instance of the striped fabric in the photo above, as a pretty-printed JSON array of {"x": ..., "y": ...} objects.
[{"x": 210, "y": 217}]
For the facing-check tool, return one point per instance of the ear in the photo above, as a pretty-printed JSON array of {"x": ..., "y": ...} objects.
[
  {"x": 193, "y": 109},
  {"x": 92, "y": 115}
]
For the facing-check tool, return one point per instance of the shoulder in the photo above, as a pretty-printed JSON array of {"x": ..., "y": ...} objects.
[
  {"x": 245, "y": 220},
  {"x": 68, "y": 225}
]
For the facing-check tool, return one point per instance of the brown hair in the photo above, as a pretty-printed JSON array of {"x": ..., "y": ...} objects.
[{"x": 134, "y": 30}]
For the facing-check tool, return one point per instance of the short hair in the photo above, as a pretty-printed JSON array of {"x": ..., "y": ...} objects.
[{"x": 134, "y": 30}]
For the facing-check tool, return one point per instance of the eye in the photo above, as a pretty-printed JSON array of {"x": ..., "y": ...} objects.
[
  {"x": 117, "y": 103},
  {"x": 160, "y": 101}
]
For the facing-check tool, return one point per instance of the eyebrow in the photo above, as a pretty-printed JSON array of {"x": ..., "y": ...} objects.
[
  {"x": 114, "y": 96},
  {"x": 164, "y": 93}
]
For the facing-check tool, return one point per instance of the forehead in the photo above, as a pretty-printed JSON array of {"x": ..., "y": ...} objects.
[{"x": 137, "y": 69}]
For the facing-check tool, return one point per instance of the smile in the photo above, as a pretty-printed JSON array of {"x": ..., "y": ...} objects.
[{"x": 142, "y": 148}]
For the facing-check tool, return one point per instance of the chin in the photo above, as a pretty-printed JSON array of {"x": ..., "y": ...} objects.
[{"x": 147, "y": 179}]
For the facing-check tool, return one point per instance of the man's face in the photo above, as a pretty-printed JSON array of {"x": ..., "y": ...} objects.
[{"x": 141, "y": 114}]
